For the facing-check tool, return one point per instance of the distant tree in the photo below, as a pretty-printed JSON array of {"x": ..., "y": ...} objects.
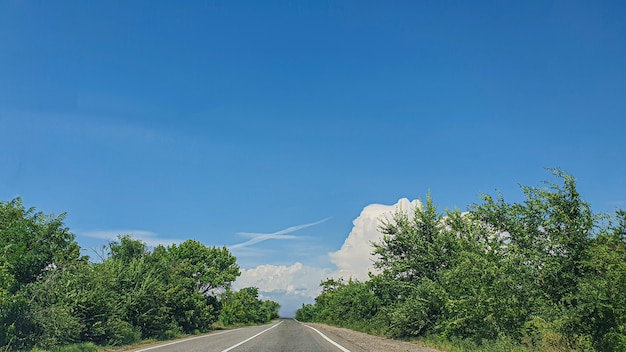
[
  {"x": 306, "y": 313},
  {"x": 198, "y": 275},
  {"x": 213, "y": 268},
  {"x": 268, "y": 311},
  {"x": 245, "y": 307},
  {"x": 126, "y": 249}
]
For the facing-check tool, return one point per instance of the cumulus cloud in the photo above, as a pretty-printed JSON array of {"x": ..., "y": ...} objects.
[
  {"x": 289, "y": 285},
  {"x": 296, "y": 279},
  {"x": 354, "y": 259},
  {"x": 149, "y": 238},
  {"x": 297, "y": 283}
]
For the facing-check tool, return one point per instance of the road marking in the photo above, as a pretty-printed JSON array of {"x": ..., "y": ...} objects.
[
  {"x": 248, "y": 339},
  {"x": 185, "y": 340},
  {"x": 327, "y": 338}
]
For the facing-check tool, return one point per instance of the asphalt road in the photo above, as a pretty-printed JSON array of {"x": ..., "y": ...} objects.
[{"x": 284, "y": 335}]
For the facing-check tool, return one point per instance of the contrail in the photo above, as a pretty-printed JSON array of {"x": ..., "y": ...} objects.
[{"x": 278, "y": 235}]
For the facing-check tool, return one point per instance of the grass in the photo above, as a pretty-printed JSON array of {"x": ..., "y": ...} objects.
[
  {"x": 79, "y": 347},
  {"x": 500, "y": 345},
  {"x": 443, "y": 344},
  {"x": 91, "y": 347},
  {"x": 466, "y": 345}
]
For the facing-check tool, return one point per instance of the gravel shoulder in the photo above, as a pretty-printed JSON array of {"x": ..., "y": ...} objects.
[{"x": 369, "y": 342}]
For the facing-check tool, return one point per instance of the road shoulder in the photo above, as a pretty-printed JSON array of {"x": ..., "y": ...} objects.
[{"x": 370, "y": 343}]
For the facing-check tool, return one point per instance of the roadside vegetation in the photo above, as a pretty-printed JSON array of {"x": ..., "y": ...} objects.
[
  {"x": 546, "y": 274},
  {"x": 54, "y": 298}
]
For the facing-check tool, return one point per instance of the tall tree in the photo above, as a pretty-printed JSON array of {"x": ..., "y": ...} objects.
[
  {"x": 32, "y": 245},
  {"x": 413, "y": 254},
  {"x": 550, "y": 233},
  {"x": 213, "y": 268},
  {"x": 33, "y": 242}
]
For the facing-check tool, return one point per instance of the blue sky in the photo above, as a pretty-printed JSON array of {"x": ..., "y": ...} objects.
[{"x": 210, "y": 120}]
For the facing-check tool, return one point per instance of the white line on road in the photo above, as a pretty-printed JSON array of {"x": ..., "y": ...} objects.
[
  {"x": 185, "y": 340},
  {"x": 248, "y": 339},
  {"x": 328, "y": 339}
]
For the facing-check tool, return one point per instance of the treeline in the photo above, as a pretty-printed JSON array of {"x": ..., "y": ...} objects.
[
  {"x": 543, "y": 274},
  {"x": 51, "y": 295}
]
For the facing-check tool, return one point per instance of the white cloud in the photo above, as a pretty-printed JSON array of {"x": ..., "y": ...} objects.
[
  {"x": 296, "y": 284},
  {"x": 354, "y": 259},
  {"x": 288, "y": 285},
  {"x": 149, "y": 238},
  {"x": 296, "y": 279}
]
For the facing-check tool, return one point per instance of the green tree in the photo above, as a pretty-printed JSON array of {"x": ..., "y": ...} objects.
[
  {"x": 7, "y": 305},
  {"x": 601, "y": 302},
  {"x": 547, "y": 240},
  {"x": 126, "y": 249},
  {"x": 483, "y": 299},
  {"x": 268, "y": 311},
  {"x": 413, "y": 245},
  {"x": 213, "y": 268},
  {"x": 245, "y": 307},
  {"x": 33, "y": 242},
  {"x": 546, "y": 272},
  {"x": 306, "y": 313},
  {"x": 413, "y": 254},
  {"x": 550, "y": 233},
  {"x": 51, "y": 296},
  {"x": 33, "y": 245},
  {"x": 199, "y": 275}
]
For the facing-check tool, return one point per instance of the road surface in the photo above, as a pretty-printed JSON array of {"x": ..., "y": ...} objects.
[{"x": 284, "y": 335}]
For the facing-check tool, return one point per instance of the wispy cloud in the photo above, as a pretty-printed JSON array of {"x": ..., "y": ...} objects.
[
  {"x": 278, "y": 235},
  {"x": 617, "y": 203},
  {"x": 149, "y": 238}
]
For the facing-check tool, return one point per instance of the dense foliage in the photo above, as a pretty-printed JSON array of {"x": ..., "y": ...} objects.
[
  {"x": 546, "y": 274},
  {"x": 245, "y": 307},
  {"x": 51, "y": 295}
]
